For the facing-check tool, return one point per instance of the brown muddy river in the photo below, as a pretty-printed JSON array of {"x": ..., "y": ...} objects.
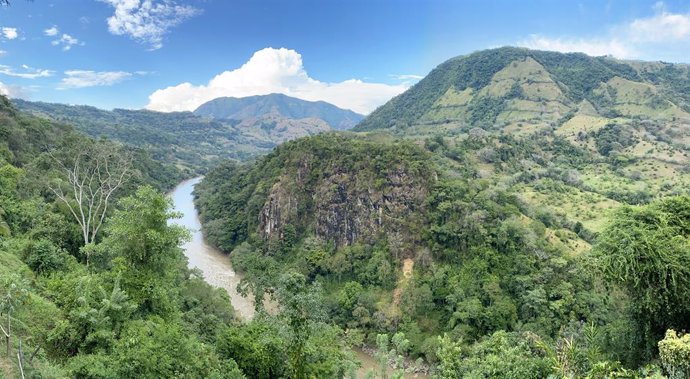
[{"x": 216, "y": 266}]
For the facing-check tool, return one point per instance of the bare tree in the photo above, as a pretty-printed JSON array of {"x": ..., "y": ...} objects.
[{"x": 94, "y": 174}]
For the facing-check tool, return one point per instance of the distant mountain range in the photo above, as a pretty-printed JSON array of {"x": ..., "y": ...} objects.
[
  {"x": 281, "y": 105},
  {"x": 225, "y": 128}
]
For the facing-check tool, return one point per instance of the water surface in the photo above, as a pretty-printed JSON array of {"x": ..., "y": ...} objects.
[{"x": 214, "y": 265}]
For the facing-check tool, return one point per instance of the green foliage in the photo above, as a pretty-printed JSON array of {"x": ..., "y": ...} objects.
[
  {"x": 501, "y": 355},
  {"x": 613, "y": 137},
  {"x": 674, "y": 351},
  {"x": 297, "y": 343},
  {"x": 645, "y": 250},
  {"x": 44, "y": 257}
]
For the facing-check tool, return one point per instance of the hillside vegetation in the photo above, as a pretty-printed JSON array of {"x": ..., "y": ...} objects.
[
  {"x": 75, "y": 316},
  {"x": 521, "y": 90},
  {"x": 498, "y": 215}
]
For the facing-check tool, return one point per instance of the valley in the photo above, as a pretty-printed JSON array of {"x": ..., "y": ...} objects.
[
  {"x": 515, "y": 213},
  {"x": 196, "y": 141}
]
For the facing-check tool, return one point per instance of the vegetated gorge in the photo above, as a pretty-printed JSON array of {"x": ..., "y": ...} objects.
[{"x": 515, "y": 214}]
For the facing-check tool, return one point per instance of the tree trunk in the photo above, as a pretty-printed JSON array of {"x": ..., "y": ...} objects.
[{"x": 31, "y": 358}]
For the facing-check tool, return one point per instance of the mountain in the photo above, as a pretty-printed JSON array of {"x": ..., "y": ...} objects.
[
  {"x": 278, "y": 104},
  {"x": 518, "y": 90},
  {"x": 192, "y": 141},
  {"x": 474, "y": 206},
  {"x": 339, "y": 187}
]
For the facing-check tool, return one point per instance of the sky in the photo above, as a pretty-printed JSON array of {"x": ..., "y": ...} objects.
[{"x": 173, "y": 55}]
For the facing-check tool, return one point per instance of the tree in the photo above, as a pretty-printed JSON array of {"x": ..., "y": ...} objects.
[
  {"x": 501, "y": 355},
  {"x": 301, "y": 304},
  {"x": 391, "y": 350},
  {"x": 93, "y": 175},
  {"x": 146, "y": 247},
  {"x": 645, "y": 250},
  {"x": 674, "y": 351}
]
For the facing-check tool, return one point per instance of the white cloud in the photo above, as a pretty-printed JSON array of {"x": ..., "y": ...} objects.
[
  {"x": 66, "y": 41},
  {"x": 662, "y": 27},
  {"x": 274, "y": 71},
  {"x": 12, "y": 91},
  {"x": 52, "y": 31},
  {"x": 26, "y": 73},
  {"x": 147, "y": 21},
  {"x": 589, "y": 47},
  {"x": 88, "y": 78},
  {"x": 664, "y": 35},
  {"x": 10, "y": 33},
  {"x": 408, "y": 77}
]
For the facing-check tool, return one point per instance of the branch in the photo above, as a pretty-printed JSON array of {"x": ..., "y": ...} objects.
[{"x": 4, "y": 332}]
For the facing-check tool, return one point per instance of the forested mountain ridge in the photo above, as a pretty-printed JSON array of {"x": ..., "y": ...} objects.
[
  {"x": 519, "y": 90},
  {"x": 278, "y": 104},
  {"x": 531, "y": 203},
  {"x": 195, "y": 143},
  {"x": 339, "y": 188}
]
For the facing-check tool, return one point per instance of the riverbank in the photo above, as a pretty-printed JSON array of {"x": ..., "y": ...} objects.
[
  {"x": 218, "y": 271},
  {"x": 215, "y": 266}
]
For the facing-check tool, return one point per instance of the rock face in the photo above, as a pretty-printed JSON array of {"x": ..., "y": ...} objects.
[{"x": 346, "y": 204}]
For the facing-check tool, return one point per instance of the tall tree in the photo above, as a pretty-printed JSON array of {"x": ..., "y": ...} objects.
[{"x": 646, "y": 251}]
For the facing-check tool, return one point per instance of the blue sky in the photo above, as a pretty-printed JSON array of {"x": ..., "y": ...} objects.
[{"x": 174, "y": 54}]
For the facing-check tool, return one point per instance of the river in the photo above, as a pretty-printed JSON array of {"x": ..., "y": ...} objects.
[{"x": 216, "y": 266}]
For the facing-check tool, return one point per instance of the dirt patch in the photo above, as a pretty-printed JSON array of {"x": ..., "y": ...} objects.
[
  {"x": 6, "y": 367},
  {"x": 408, "y": 264}
]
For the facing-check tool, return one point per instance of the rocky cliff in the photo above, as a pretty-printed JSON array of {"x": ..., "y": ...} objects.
[{"x": 341, "y": 189}]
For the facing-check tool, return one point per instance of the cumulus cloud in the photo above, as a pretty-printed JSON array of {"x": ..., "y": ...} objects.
[
  {"x": 147, "y": 21},
  {"x": 12, "y": 91},
  {"x": 274, "y": 71},
  {"x": 664, "y": 35},
  {"x": 88, "y": 78},
  {"x": 26, "y": 72},
  {"x": 52, "y": 31},
  {"x": 10, "y": 33},
  {"x": 66, "y": 41},
  {"x": 662, "y": 27}
]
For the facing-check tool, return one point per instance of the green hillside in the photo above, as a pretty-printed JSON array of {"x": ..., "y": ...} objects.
[
  {"x": 492, "y": 204},
  {"x": 518, "y": 90}
]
